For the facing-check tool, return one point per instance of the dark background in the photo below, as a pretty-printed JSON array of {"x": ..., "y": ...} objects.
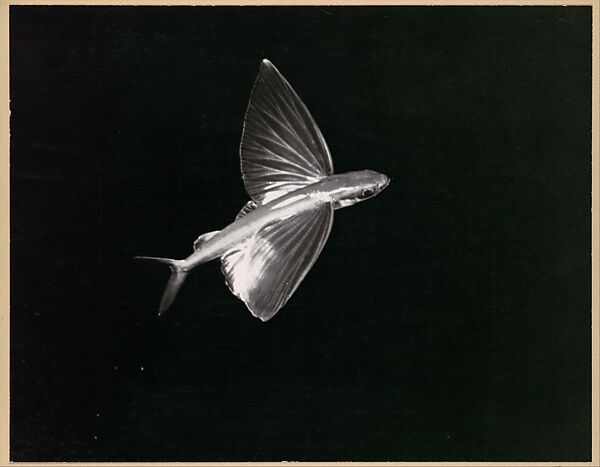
[{"x": 449, "y": 318}]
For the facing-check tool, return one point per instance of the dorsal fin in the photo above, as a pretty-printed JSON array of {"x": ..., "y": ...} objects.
[
  {"x": 204, "y": 237},
  {"x": 248, "y": 207}
]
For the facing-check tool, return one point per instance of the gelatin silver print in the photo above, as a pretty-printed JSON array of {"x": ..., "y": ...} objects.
[{"x": 180, "y": 291}]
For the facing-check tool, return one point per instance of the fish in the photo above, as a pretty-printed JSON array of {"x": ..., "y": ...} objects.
[{"x": 288, "y": 174}]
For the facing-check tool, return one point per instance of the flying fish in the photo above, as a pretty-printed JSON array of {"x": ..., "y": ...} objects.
[{"x": 278, "y": 235}]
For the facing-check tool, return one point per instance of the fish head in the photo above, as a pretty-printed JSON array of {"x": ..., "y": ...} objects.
[{"x": 360, "y": 186}]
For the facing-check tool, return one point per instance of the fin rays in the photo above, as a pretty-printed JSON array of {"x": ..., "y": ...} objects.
[
  {"x": 268, "y": 268},
  {"x": 281, "y": 142}
]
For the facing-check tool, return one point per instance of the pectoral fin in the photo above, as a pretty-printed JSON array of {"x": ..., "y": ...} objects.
[
  {"x": 282, "y": 148},
  {"x": 268, "y": 268}
]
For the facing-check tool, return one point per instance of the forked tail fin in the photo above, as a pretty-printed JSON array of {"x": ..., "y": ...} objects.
[{"x": 176, "y": 280}]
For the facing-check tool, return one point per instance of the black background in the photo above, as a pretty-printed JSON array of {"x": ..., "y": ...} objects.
[{"x": 448, "y": 318}]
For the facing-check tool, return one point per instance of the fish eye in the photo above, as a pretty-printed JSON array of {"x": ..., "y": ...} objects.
[{"x": 366, "y": 193}]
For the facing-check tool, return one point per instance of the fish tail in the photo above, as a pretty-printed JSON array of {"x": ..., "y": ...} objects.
[{"x": 178, "y": 276}]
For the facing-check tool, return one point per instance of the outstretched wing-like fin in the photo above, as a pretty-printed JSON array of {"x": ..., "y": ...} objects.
[
  {"x": 282, "y": 148},
  {"x": 267, "y": 269}
]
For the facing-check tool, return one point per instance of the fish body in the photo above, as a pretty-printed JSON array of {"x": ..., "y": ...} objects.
[
  {"x": 288, "y": 172},
  {"x": 331, "y": 190}
]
